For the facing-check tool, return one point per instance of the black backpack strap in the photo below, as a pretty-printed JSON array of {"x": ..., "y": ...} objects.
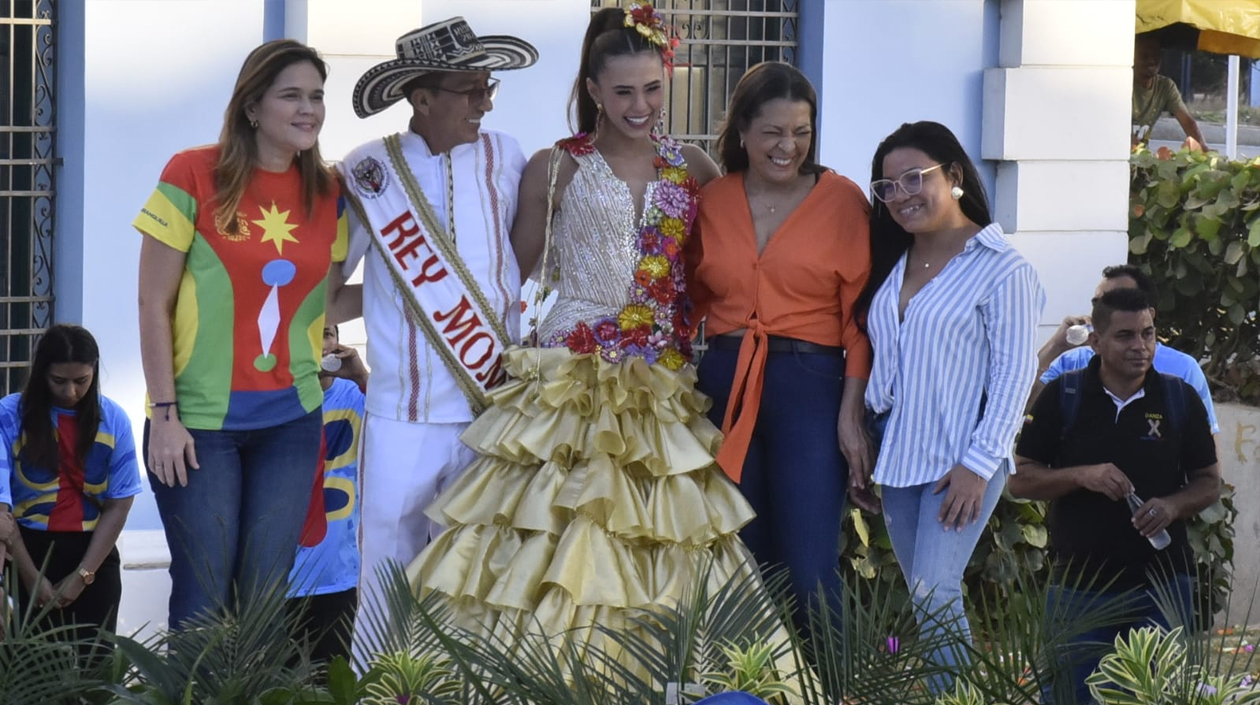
[
  {"x": 1175, "y": 402},
  {"x": 1069, "y": 399}
]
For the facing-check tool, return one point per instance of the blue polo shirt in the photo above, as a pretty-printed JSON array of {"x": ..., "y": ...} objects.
[
  {"x": 1169, "y": 361},
  {"x": 333, "y": 564}
]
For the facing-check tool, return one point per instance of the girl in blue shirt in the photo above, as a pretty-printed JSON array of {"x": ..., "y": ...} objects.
[{"x": 69, "y": 463}]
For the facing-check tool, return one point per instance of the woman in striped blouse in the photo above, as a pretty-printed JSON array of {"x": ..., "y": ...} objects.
[{"x": 952, "y": 312}]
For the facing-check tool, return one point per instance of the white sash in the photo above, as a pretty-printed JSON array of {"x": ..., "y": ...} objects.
[{"x": 453, "y": 312}]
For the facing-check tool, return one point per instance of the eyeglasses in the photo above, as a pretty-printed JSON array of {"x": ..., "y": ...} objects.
[
  {"x": 911, "y": 182},
  {"x": 478, "y": 94}
]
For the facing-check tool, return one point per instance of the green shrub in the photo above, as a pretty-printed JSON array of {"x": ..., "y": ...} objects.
[{"x": 1194, "y": 226}]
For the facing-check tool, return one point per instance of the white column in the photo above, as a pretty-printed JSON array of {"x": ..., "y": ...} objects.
[
  {"x": 1056, "y": 117},
  {"x": 1231, "y": 109}
]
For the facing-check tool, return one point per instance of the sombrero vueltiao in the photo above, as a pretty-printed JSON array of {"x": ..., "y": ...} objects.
[{"x": 446, "y": 46}]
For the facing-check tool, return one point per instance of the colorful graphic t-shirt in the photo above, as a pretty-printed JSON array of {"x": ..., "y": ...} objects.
[
  {"x": 69, "y": 498},
  {"x": 333, "y": 564},
  {"x": 249, "y": 318}
]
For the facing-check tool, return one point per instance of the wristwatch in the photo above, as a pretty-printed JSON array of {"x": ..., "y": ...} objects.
[{"x": 89, "y": 576}]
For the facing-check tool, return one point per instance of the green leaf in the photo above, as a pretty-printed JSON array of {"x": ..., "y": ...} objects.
[
  {"x": 342, "y": 684},
  {"x": 1235, "y": 252},
  {"x": 1237, "y": 314},
  {"x": 1167, "y": 194},
  {"x": 1208, "y": 227},
  {"x": 1035, "y": 535},
  {"x": 1181, "y": 237},
  {"x": 859, "y": 525},
  {"x": 1253, "y": 233}
]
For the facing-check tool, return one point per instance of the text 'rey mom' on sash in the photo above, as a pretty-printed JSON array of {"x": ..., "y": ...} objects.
[{"x": 439, "y": 294}]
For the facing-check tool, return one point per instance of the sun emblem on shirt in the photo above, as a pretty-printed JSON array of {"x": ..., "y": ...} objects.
[{"x": 276, "y": 227}]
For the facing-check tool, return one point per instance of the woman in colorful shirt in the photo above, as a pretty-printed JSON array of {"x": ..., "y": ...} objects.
[
  {"x": 953, "y": 314},
  {"x": 69, "y": 466},
  {"x": 781, "y": 255},
  {"x": 239, "y": 239},
  {"x": 596, "y": 498}
]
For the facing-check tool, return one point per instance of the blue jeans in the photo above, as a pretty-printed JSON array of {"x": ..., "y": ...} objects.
[
  {"x": 1080, "y": 655},
  {"x": 933, "y": 560},
  {"x": 794, "y": 475},
  {"x": 233, "y": 531}
]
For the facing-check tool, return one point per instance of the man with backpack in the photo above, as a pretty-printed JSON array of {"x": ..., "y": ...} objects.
[
  {"x": 1125, "y": 456},
  {"x": 1058, "y": 355}
]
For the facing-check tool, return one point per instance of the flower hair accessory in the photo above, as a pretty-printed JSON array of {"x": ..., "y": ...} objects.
[{"x": 647, "y": 21}]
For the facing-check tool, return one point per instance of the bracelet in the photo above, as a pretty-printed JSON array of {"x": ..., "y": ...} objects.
[{"x": 164, "y": 405}]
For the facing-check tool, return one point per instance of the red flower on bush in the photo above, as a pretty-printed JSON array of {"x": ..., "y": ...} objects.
[{"x": 581, "y": 340}]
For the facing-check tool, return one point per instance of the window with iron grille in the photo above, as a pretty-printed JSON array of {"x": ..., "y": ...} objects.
[
  {"x": 27, "y": 161},
  {"x": 722, "y": 39}
]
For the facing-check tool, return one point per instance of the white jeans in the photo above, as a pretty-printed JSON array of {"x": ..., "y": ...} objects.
[{"x": 403, "y": 468}]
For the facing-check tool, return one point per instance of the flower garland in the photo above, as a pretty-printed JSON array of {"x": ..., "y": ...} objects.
[{"x": 653, "y": 325}]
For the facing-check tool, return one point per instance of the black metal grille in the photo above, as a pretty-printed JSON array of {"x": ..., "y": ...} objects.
[
  {"x": 27, "y": 162},
  {"x": 722, "y": 39}
]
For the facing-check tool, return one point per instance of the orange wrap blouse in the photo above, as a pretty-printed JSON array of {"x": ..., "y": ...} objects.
[{"x": 803, "y": 286}]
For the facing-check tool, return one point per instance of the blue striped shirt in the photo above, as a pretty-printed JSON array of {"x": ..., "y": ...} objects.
[{"x": 969, "y": 333}]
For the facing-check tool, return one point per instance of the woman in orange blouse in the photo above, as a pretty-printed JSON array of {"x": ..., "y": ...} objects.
[{"x": 780, "y": 255}]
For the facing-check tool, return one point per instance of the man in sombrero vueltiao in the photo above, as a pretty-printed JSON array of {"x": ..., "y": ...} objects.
[{"x": 431, "y": 209}]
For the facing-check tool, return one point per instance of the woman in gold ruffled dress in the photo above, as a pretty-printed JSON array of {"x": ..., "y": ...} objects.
[{"x": 596, "y": 497}]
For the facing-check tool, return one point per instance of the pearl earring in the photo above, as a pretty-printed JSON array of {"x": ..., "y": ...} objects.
[{"x": 956, "y": 193}]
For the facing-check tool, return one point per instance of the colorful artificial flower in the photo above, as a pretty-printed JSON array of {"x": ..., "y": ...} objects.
[
  {"x": 662, "y": 290},
  {"x": 672, "y": 228},
  {"x": 671, "y": 248},
  {"x": 581, "y": 340},
  {"x": 577, "y": 145},
  {"x": 674, "y": 175},
  {"x": 607, "y": 332},
  {"x": 655, "y": 265},
  {"x": 650, "y": 24},
  {"x": 672, "y": 199},
  {"x": 642, "y": 277},
  {"x": 636, "y": 315},
  {"x": 671, "y": 359}
]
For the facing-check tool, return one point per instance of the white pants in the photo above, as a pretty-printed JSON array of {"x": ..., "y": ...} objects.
[{"x": 404, "y": 467}]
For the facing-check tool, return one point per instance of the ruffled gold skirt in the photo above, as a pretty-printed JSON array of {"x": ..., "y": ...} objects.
[{"x": 595, "y": 499}]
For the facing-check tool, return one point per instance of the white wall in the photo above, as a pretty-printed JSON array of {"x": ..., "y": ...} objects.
[
  {"x": 1056, "y": 115},
  {"x": 1238, "y": 447},
  {"x": 893, "y": 61}
]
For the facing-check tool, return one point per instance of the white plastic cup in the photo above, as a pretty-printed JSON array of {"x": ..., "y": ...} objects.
[
  {"x": 1077, "y": 334},
  {"x": 330, "y": 363}
]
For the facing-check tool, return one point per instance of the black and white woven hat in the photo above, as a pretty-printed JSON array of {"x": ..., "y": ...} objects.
[{"x": 446, "y": 46}]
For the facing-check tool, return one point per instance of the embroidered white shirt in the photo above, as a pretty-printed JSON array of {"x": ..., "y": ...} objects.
[{"x": 409, "y": 380}]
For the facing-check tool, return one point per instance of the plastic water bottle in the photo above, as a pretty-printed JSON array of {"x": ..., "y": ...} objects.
[
  {"x": 330, "y": 363},
  {"x": 1161, "y": 540},
  {"x": 1077, "y": 334}
]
